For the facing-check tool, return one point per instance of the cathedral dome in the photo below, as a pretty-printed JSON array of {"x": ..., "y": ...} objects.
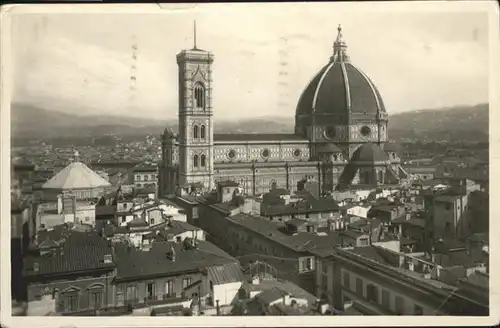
[
  {"x": 340, "y": 88},
  {"x": 369, "y": 153}
]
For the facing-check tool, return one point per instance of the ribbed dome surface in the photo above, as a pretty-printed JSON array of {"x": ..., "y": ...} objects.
[{"x": 340, "y": 88}]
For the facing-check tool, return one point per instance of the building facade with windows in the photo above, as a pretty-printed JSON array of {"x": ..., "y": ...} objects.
[
  {"x": 364, "y": 278},
  {"x": 145, "y": 176},
  {"x": 239, "y": 230},
  {"x": 173, "y": 273},
  {"x": 68, "y": 272},
  {"x": 457, "y": 212},
  {"x": 340, "y": 135}
]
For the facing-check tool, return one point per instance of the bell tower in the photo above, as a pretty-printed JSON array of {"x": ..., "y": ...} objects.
[{"x": 195, "y": 116}]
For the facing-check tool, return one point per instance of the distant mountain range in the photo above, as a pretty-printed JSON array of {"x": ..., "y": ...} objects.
[
  {"x": 460, "y": 123},
  {"x": 465, "y": 123}
]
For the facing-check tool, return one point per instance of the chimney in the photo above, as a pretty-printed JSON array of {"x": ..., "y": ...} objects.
[
  {"x": 59, "y": 204},
  {"x": 108, "y": 259},
  {"x": 323, "y": 307},
  {"x": 172, "y": 253},
  {"x": 318, "y": 305}
]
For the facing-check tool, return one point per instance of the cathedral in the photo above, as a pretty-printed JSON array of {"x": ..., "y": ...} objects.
[{"x": 340, "y": 138}]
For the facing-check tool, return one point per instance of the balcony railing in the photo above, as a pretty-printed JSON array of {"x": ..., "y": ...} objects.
[{"x": 159, "y": 299}]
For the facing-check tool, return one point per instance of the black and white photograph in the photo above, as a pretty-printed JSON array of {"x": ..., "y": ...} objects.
[{"x": 248, "y": 159}]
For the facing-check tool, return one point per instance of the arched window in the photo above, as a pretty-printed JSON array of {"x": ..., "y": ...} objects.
[
  {"x": 202, "y": 132},
  {"x": 203, "y": 160},
  {"x": 195, "y": 160},
  {"x": 199, "y": 95},
  {"x": 195, "y": 131}
]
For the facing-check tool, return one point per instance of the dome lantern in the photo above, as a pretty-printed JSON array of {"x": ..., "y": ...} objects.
[{"x": 339, "y": 48}]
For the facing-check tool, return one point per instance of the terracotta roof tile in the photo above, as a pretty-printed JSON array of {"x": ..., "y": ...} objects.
[
  {"x": 136, "y": 264},
  {"x": 225, "y": 274},
  {"x": 80, "y": 251}
]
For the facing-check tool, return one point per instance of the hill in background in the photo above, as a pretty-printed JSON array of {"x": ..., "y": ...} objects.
[{"x": 461, "y": 123}]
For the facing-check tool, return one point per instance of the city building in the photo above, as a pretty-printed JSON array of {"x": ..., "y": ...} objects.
[
  {"x": 234, "y": 224},
  {"x": 145, "y": 176},
  {"x": 142, "y": 235},
  {"x": 457, "y": 212},
  {"x": 421, "y": 172},
  {"x": 24, "y": 172},
  {"x": 377, "y": 279},
  {"x": 270, "y": 296},
  {"x": 340, "y": 136},
  {"x": 151, "y": 212},
  {"x": 73, "y": 270},
  {"x": 68, "y": 271},
  {"x": 76, "y": 180},
  {"x": 166, "y": 274}
]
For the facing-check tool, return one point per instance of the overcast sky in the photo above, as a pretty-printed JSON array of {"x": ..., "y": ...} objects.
[{"x": 264, "y": 56}]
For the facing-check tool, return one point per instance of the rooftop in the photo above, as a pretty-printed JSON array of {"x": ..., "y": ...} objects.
[
  {"x": 136, "y": 264},
  {"x": 478, "y": 279},
  {"x": 299, "y": 242},
  {"x": 376, "y": 254},
  {"x": 78, "y": 251},
  {"x": 480, "y": 237},
  {"x": 244, "y": 137},
  {"x": 283, "y": 285},
  {"x": 105, "y": 210},
  {"x": 76, "y": 176},
  {"x": 301, "y": 207},
  {"x": 225, "y": 274},
  {"x": 146, "y": 167}
]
